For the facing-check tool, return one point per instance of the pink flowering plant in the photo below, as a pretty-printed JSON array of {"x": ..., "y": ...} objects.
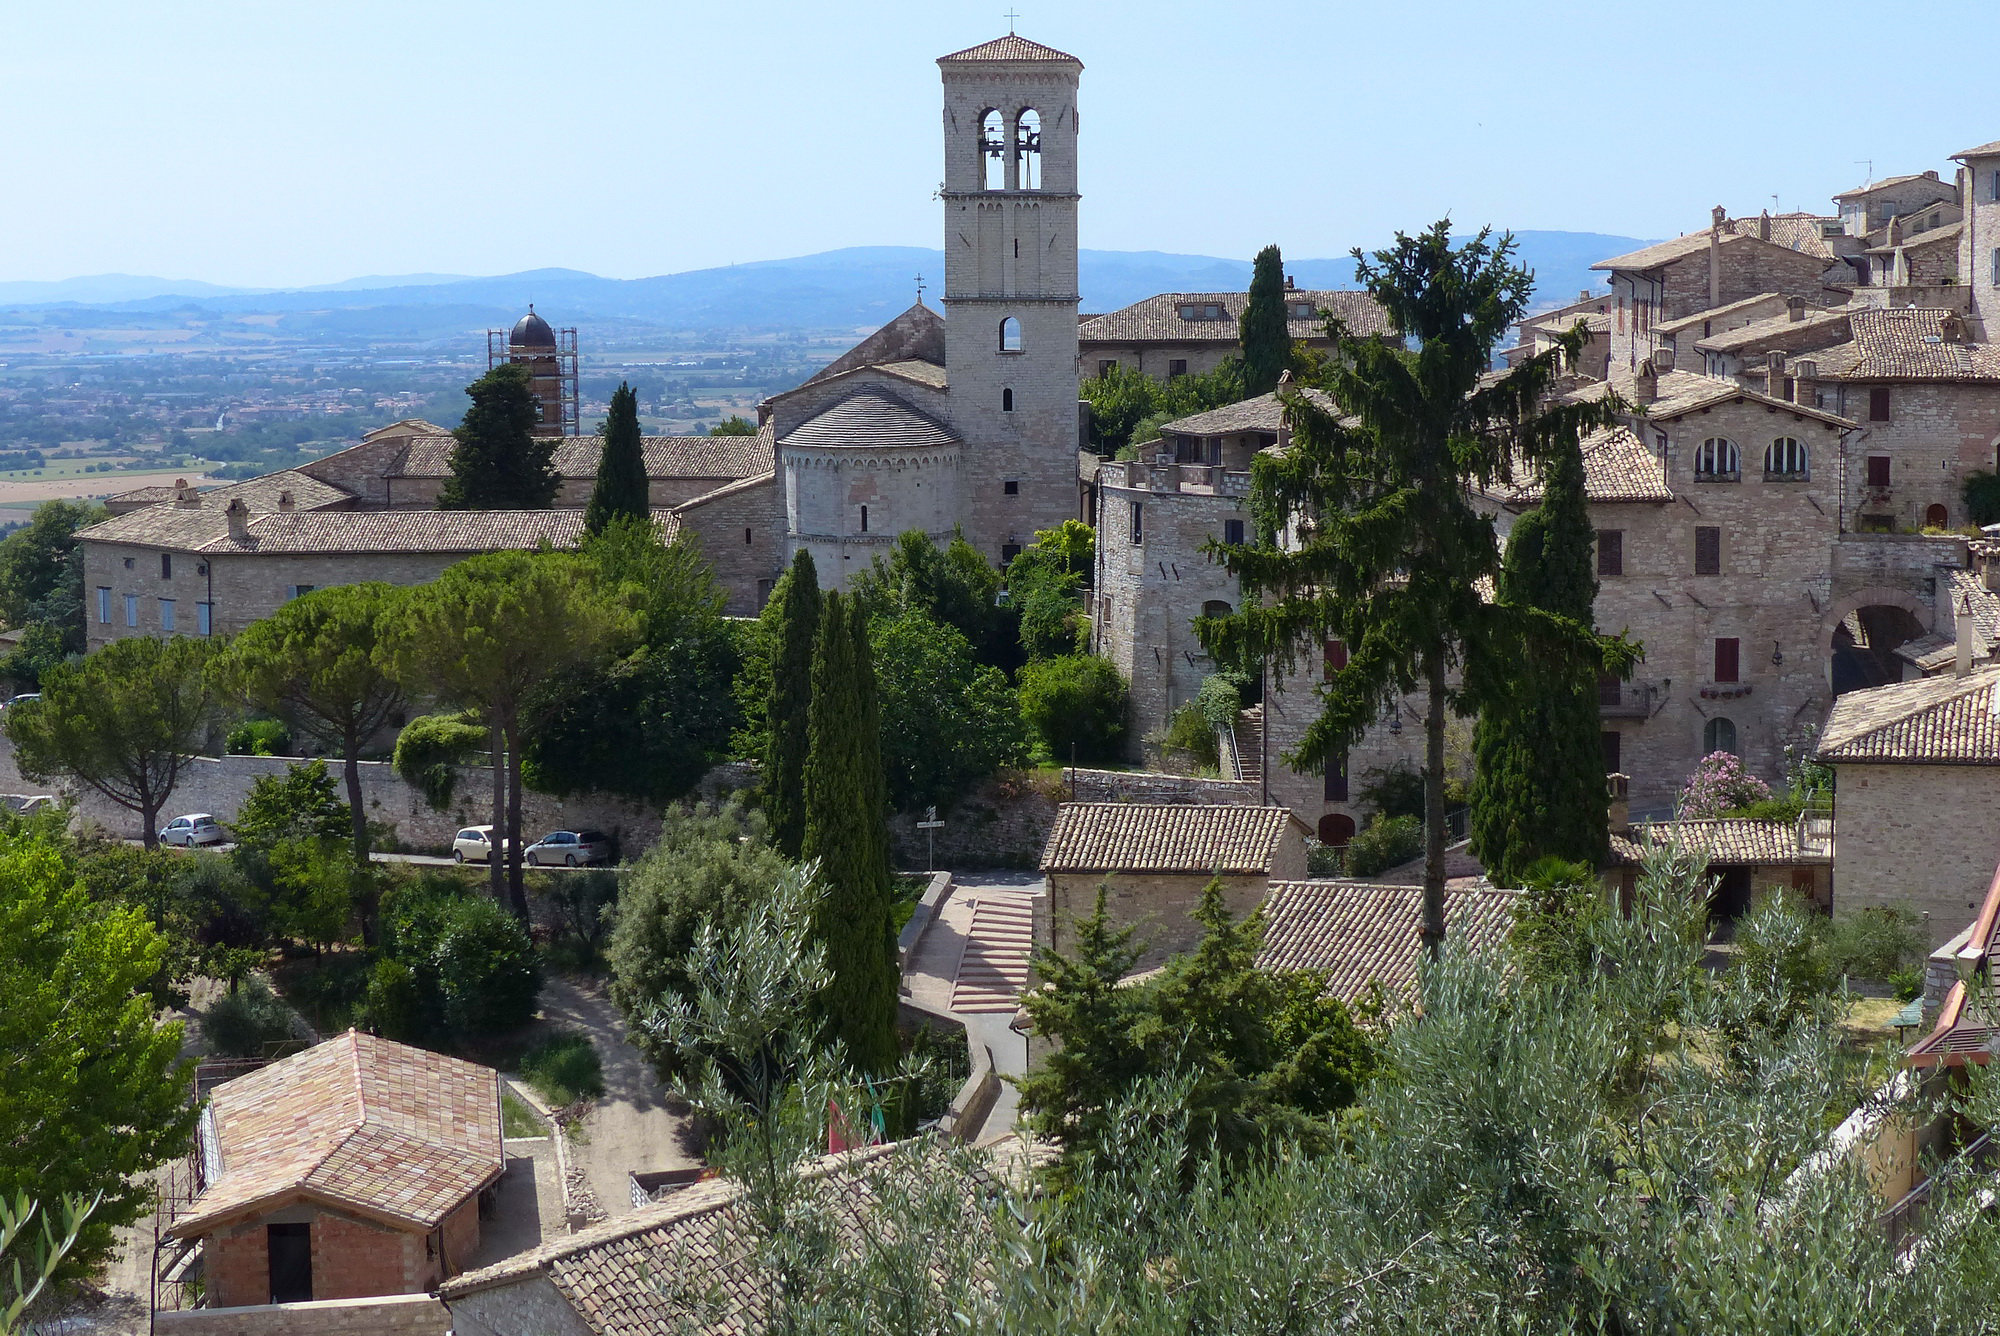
[{"x": 1720, "y": 784}]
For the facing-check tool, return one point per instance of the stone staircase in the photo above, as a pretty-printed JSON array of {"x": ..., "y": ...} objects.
[
  {"x": 994, "y": 967},
  {"x": 1247, "y": 747}
]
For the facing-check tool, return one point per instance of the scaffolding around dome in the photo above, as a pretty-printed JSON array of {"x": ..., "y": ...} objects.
[{"x": 550, "y": 357}]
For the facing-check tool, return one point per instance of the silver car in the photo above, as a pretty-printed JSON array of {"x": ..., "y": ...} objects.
[
  {"x": 570, "y": 848},
  {"x": 192, "y": 829}
]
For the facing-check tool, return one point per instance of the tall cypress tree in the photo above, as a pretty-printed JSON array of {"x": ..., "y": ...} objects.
[
  {"x": 1539, "y": 789},
  {"x": 847, "y": 811},
  {"x": 621, "y": 488},
  {"x": 499, "y": 463},
  {"x": 1266, "y": 338},
  {"x": 794, "y": 614}
]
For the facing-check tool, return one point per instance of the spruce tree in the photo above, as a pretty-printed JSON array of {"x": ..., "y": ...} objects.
[
  {"x": 1266, "y": 337},
  {"x": 1539, "y": 788},
  {"x": 621, "y": 488},
  {"x": 794, "y": 614},
  {"x": 498, "y": 463},
  {"x": 847, "y": 833}
]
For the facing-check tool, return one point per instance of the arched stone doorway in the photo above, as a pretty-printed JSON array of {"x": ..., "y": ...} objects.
[
  {"x": 1336, "y": 829},
  {"x": 1865, "y": 643}
]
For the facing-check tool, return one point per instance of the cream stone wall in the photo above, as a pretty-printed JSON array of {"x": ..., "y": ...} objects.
[
  {"x": 1916, "y": 835},
  {"x": 1156, "y": 906},
  {"x": 1937, "y": 433}
]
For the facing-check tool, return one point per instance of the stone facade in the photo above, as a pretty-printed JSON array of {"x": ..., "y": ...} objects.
[
  {"x": 1157, "y": 906},
  {"x": 1919, "y": 836},
  {"x": 391, "y": 1315},
  {"x": 742, "y": 535},
  {"x": 1933, "y": 434}
]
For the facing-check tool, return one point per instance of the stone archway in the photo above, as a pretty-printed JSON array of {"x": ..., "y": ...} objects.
[{"x": 1862, "y": 633}]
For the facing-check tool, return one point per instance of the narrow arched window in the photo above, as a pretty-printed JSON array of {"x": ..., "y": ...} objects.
[
  {"x": 1006, "y": 401},
  {"x": 1785, "y": 458},
  {"x": 864, "y": 519},
  {"x": 1718, "y": 735},
  {"x": 1717, "y": 460},
  {"x": 1028, "y": 150},
  {"x": 1010, "y": 335},
  {"x": 993, "y": 150}
]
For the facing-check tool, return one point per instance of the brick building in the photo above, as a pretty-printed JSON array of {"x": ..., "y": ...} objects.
[
  {"x": 1155, "y": 860},
  {"x": 352, "y": 1169}
]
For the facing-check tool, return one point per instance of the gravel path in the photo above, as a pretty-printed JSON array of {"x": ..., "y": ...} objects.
[{"x": 631, "y": 1129}]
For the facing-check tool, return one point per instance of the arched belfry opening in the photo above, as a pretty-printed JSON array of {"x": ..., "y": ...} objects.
[
  {"x": 1028, "y": 149},
  {"x": 993, "y": 149}
]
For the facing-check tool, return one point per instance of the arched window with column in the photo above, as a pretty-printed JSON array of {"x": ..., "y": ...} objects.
[
  {"x": 993, "y": 149},
  {"x": 1010, "y": 335},
  {"x": 1028, "y": 149},
  {"x": 1717, "y": 460},
  {"x": 1786, "y": 457}
]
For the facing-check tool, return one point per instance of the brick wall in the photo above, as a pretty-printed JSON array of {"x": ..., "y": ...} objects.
[
  {"x": 1936, "y": 434},
  {"x": 398, "y": 1315},
  {"x": 237, "y": 1263},
  {"x": 352, "y": 1259},
  {"x": 1917, "y": 835},
  {"x": 461, "y": 1238}
]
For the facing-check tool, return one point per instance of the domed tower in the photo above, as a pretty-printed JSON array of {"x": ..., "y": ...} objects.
[{"x": 550, "y": 356}]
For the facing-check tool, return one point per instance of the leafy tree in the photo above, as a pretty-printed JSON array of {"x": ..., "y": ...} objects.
[
  {"x": 459, "y": 966},
  {"x": 792, "y": 616},
  {"x": 1554, "y": 919},
  {"x": 297, "y": 805},
  {"x": 43, "y": 1251},
  {"x": 1127, "y": 406},
  {"x": 953, "y": 584},
  {"x": 289, "y": 835},
  {"x": 622, "y": 489},
  {"x": 1264, "y": 329},
  {"x": 126, "y": 721},
  {"x": 1539, "y": 787},
  {"x": 948, "y": 721},
  {"x": 41, "y": 573},
  {"x": 1390, "y": 551},
  {"x": 430, "y": 749},
  {"x": 93, "y": 1094},
  {"x": 1261, "y": 1055},
  {"x": 847, "y": 838},
  {"x": 315, "y": 661},
  {"x": 499, "y": 463},
  {"x": 710, "y": 868},
  {"x": 671, "y": 692},
  {"x": 1075, "y": 707},
  {"x": 733, "y": 425},
  {"x": 1046, "y": 583},
  {"x": 1981, "y": 494},
  {"x": 491, "y": 634}
]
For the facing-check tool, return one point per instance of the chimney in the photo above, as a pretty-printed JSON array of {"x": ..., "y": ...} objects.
[
  {"x": 1950, "y": 328},
  {"x": 1716, "y": 218},
  {"x": 285, "y": 502},
  {"x": 1795, "y": 308},
  {"x": 1645, "y": 383},
  {"x": 1618, "y": 803},
  {"x": 1804, "y": 372},
  {"x": 1962, "y": 617},
  {"x": 1895, "y": 230},
  {"x": 1663, "y": 358},
  {"x": 1764, "y": 226},
  {"x": 1774, "y": 374},
  {"x": 1290, "y": 285},
  {"x": 185, "y": 494},
  {"x": 1931, "y": 174},
  {"x": 239, "y": 519},
  {"x": 1989, "y": 573}
]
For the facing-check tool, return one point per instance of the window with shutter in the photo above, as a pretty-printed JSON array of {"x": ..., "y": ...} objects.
[
  {"x": 1726, "y": 658},
  {"x": 1878, "y": 403},
  {"x": 1336, "y": 779},
  {"x": 1610, "y": 551},
  {"x": 1878, "y": 470},
  {"x": 1707, "y": 550},
  {"x": 1336, "y": 657},
  {"x": 1609, "y": 740}
]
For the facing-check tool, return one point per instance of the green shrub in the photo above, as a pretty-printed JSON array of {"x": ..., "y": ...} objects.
[
  {"x": 472, "y": 967},
  {"x": 1075, "y": 706},
  {"x": 242, "y": 1023},
  {"x": 1394, "y": 790},
  {"x": 1876, "y": 942},
  {"x": 259, "y": 737},
  {"x": 428, "y": 750},
  {"x": 1981, "y": 494},
  {"x": 1908, "y": 984},
  {"x": 394, "y": 1006},
  {"x": 1221, "y": 699},
  {"x": 577, "y": 906},
  {"x": 1385, "y": 842},
  {"x": 564, "y": 1068},
  {"x": 1325, "y": 860},
  {"x": 1188, "y": 734}
]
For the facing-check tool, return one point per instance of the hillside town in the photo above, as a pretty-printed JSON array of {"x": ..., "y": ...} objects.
[{"x": 1433, "y": 806}]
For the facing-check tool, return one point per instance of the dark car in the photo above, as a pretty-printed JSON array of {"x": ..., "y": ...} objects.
[{"x": 571, "y": 848}]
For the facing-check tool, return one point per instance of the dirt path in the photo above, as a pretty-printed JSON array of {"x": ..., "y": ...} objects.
[{"x": 631, "y": 1128}]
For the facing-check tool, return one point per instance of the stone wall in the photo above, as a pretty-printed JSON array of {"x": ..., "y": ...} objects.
[
  {"x": 1916, "y": 835},
  {"x": 397, "y": 1315},
  {"x": 742, "y": 534},
  {"x": 1936, "y": 434},
  {"x": 1157, "y": 906}
]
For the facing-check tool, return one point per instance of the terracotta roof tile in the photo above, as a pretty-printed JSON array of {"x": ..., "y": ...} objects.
[
  {"x": 1983, "y": 151},
  {"x": 1617, "y": 466},
  {"x": 382, "y": 1127},
  {"x": 1009, "y": 47},
  {"x": 1773, "y": 300},
  {"x": 1361, "y": 933},
  {"x": 322, "y": 531},
  {"x": 1262, "y": 413},
  {"x": 871, "y": 418},
  {"x": 1885, "y": 183},
  {"x": 1728, "y": 840},
  {"x": 576, "y": 457},
  {"x": 1157, "y": 319},
  {"x": 1165, "y": 838},
  {"x": 1933, "y": 720},
  {"x": 1829, "y": 325},
  {"x": 1909, "y": 343}
]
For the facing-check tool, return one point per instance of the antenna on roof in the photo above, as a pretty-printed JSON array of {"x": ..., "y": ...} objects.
[
  {"x": 1869, "y": 164},
  {"x": 1010, "y": 16}
]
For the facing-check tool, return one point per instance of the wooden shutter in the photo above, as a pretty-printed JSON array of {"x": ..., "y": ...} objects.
[
  {"x": 1707, "y": 550},
  {"x": 1610, "y": 551},
  {"x": 1878, "y": 403},
  {"x": 1878, "y": 470},
  {"x": 1336, "y": 657},
  {"x": 1726, "y": 656}
]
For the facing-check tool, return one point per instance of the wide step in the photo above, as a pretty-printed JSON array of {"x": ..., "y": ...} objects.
[{"x": 994, "y": 968}]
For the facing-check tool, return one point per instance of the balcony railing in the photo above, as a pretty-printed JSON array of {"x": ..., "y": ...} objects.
[{"x": 1626, "y": 700}]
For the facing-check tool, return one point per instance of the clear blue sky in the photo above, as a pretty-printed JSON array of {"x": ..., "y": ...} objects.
[{"x": 285, "y": 141}]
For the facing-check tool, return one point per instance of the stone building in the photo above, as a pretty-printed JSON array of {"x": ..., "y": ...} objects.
[
  {"x": 1916, "y": 781},
  {"x": 352, "y": 1169},
  {"x": 184, "y": 568},
  {"x": 1746, "y": 855},
  {"x": 1186, "y": 333},
  {"x": 1154, "y": 860}
]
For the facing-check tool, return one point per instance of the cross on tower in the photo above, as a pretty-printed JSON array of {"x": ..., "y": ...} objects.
[
  {"x": 1010, "y": 16},
  {"x": 920, "y": 289}
]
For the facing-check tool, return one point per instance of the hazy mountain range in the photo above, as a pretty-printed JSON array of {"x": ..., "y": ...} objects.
[{"x": 855, "y": 287}]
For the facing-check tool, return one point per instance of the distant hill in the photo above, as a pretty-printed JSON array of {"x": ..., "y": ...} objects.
[{"x": 859, "y": 287}]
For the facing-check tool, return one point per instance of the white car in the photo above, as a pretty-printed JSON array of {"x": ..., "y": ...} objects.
[
  {"x": 475, "y": 844},
  {"x": 192, "y": 829}
]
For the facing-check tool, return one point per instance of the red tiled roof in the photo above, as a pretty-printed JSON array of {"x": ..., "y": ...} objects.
[
  {"x": 1361, "y": 933},
  {"x": 1164, "y": 838}
]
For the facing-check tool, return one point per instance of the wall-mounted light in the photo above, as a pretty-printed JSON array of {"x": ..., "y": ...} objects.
[{"x": 1777, "y": 655}]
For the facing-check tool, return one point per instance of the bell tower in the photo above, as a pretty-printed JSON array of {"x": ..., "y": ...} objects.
[{"x": 1010, "y": 291}]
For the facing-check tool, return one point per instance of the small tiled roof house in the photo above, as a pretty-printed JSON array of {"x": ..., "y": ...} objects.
[
  {"x": 350, "y": 1170},
  {"x": 1154, "y": 861}
]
